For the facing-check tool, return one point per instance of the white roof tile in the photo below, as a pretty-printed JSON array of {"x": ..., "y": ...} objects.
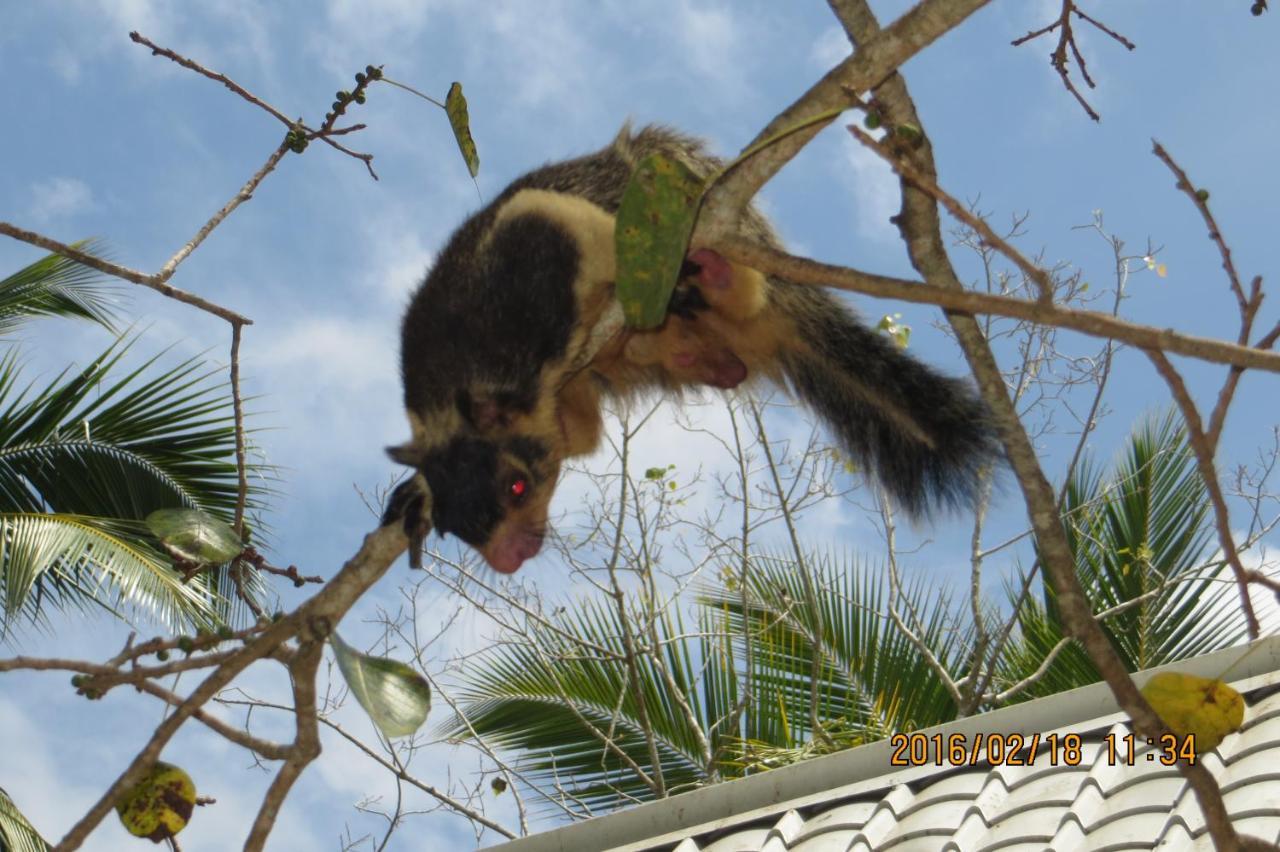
[
  {"x": 851, "y": 816},
  {"x": 1101, "y": 803},
  {"x": 747, "y": 840}
]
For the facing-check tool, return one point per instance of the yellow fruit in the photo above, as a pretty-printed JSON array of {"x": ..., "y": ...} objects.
[
  {"x": 1205, "y": 709},
  {"x": 160, "y": 805}
]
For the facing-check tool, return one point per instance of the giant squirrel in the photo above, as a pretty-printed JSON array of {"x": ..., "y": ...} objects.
[{"x": 498, "y": 394}]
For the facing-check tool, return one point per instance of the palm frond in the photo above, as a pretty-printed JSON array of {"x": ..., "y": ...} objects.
[
  {"x": 17, "y": 834},
  {"x": 1140, "y": 533},
  {"x": 835, "y": 631},
  {"x": 534, "y": 697},
  {"x": 553, "y": 697},
  {"x": 107, "y": 444},
  {"x": 57, "y": 287},
  {"x": 80, "y": 562}
]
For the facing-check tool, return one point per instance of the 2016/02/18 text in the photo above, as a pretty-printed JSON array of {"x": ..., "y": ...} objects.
[{"x": 996, "y": 749}]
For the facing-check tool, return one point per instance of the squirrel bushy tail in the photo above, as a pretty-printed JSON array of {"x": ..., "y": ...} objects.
[{"x": 924, "y": 436}]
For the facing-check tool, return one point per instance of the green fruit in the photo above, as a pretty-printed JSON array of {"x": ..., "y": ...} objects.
[
  {"x": 1202, "y": 194},
  {"x": 160, "y": 805},
  {"x": 162, "y": 654}
]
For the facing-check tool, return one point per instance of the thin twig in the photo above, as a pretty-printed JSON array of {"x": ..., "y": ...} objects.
[
  {"x": 1204, "y": 462},
  {"x": 1067, "y": 41},
  {"x": 157, "y": 50},
  {"x": 374, "y": 557},
  {"x": 323, "y": 134},
  {"x": 905, "y": 171}
]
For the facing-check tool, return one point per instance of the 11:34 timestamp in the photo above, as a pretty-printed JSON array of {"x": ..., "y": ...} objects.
[{"x": 1167, "y": 750}]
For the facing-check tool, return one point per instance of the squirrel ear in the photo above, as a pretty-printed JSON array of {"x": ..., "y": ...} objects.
[
  {"x": 406, "y": 454},
  {"x": 482, "y": 411}
]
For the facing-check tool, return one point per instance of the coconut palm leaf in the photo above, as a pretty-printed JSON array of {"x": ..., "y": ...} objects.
[
  {"x": 102, "y": 444},
  {"x": 550, "y": 697},
  {"x": 833, "y": 630},
  {"x": 1141, "y": 529},
  {"x": 533, "y": 697},
  {"x": 67, "y": 561},
  {"x": 16, "y": 833},
  {"x": 56, "y": 286}
]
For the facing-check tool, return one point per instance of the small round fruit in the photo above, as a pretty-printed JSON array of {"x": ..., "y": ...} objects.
[{"x": 160, "y": 805}]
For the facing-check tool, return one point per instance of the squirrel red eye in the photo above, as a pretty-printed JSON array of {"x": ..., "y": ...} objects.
[{"x": 519, "y": 487}]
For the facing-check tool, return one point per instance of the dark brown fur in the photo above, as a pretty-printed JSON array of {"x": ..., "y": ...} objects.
[{"x": 495, "y": 396}]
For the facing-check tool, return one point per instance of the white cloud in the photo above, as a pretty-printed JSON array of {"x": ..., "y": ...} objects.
[
  {"x": 379, "y": 20},
  {"x": 876, "y": 194},
  {"x": 545, "y": 57},
  {"x": 830, "y": 48},
  {"x": 65, "y": 63},
  {"x": 58, "y": 198},
  {"x": 399, "y": 260},
  {"x": 332, "y": 356},
  {"x": 220, "y": 35},
  {"x": 43, "y": 796},
  {"x": 332, "y": 386},
  {"x": 710, "y": 37}
]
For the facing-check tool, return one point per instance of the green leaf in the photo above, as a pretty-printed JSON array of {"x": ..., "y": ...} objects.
[
  {"x": 455, "y": 106},
  {"x": 654, "y": 223},
  {"x": 396, "y": 697},
  {"x": 195, "y": 536}
]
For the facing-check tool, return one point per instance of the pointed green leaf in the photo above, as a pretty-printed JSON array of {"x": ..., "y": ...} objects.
[
  {"x": 195, "y": 535},
  {"x": 455, "y": 106},
  {"x": 395, "y": 696}
]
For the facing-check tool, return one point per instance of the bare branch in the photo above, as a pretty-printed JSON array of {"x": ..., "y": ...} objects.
[
  {"x": 1067, "y": 41},
  {"x": 875, "y": 60},
  {"x": 122, "y": 272},
  {"x": 1204, "y": 453},
  {"x": 325, "y": 609},
  {"x": 920, "y": 225},
  {"x": 1093, "y": 323},
  {"x": 903, "y": 169}
]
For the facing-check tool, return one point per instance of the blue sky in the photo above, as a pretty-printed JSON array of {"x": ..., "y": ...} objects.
[{"x": 105, "y": 140}]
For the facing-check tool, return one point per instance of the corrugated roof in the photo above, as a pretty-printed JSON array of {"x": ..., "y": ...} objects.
[{"x": 857, "y": 800}]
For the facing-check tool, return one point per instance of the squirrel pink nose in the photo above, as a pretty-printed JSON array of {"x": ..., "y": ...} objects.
[{"x": 507, "y": 555}]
